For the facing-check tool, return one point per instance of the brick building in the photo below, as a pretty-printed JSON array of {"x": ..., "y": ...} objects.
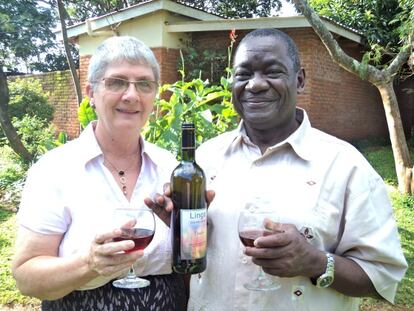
[{"x": 337, "y": 101}]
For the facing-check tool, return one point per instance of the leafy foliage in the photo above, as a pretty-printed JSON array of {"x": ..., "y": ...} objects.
[
  {"x": 237, "y": 8},
  {"x": 35, "y": 136},
  {"x": 27, "y": 98},
  {"x": 86, "y": 113},
  {"x": 208, "y": 106},
  {"x": 26, "y": 36},
  {"x": 383, "y": 23},
  {"x": 38, "y": 138},
  {"x": 81, "y": 10}
]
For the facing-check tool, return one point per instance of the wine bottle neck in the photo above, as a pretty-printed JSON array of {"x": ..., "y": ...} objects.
[{"x": 188, "y": 143}]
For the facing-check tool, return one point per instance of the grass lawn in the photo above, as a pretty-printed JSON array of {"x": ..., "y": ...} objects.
[
  {"x": 380, "y": 157},
  {"x": 382, "y": 160},
  {"x": 9, "y": 295}
]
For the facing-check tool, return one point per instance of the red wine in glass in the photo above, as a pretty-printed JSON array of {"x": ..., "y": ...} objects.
[
  {"x": 141, "y": 237},
  {"x": 248, "y": 236},
  {"x": 138, "y": 225},
  {"x": 250, "y": 227}
]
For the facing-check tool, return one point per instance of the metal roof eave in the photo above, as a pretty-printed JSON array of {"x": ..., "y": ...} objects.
[
  {"x": 263, "y": 22},
  {"x": 137, "y": 11}
]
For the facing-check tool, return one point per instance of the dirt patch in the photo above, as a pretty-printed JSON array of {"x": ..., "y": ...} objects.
[{"x": 381, "y": 306}]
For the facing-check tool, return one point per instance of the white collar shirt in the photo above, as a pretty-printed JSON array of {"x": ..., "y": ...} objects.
[
  {"x": 314, "y": 181},
  {"x": 70, "y": 192}
]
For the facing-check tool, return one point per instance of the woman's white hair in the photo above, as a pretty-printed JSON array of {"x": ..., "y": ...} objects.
[{"x": 117, "y": 49}]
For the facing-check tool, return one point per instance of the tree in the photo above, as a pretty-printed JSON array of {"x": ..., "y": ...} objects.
[
  {"x": 239, "y": 8},
  {"x": 10, "y": 132},
  {"x": 75, "y": 77},
  {"x": 381, "y": 78},
  {"x": 22, "y": 25},
  {"x": 26, "y": 36},
  {"x": 81, "y": 10}
]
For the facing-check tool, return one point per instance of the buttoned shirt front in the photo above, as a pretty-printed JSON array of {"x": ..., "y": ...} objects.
[
  {"x": 70, "y": 192},
  {"x": 315, "y": 181}
]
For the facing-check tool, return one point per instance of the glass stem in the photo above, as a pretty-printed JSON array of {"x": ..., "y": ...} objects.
[
  {"x": 131, "y": 273},
  {"x": 261, "y": 275}
]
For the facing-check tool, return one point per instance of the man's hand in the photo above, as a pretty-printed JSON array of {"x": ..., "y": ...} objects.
[
  {"x": 162, "y": 205},
  {"x": 286, "y": 253}
]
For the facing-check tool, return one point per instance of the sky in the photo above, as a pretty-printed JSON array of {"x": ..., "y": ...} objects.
[{"x": 288, "y": 9}]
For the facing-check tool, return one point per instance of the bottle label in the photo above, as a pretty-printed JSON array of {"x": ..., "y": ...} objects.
[{"x": 193, "y": 233}]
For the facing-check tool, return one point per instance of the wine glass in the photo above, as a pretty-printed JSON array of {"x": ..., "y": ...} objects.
[
  {"x": 251, "y": 226},
  {"x": 138, "y": 225}
]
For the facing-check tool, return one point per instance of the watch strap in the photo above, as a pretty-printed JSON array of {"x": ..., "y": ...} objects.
[{"x": 330, "y": 263}]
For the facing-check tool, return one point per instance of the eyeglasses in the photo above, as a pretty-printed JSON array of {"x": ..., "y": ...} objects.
[{"x": 118, "y": 85}]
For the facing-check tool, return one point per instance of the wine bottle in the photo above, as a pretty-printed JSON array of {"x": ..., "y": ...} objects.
[{"x": 189, "y": 216}]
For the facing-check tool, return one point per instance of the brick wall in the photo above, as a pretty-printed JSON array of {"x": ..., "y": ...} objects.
[
  {"x": 337, "y": 102},
  {"x": 83, "y": 70},
  {"x": 62, "y": 96},
  {"x": 168, "y": 60}
]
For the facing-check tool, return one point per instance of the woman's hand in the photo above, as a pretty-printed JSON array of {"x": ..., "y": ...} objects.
[
  {"x": 162, "y": 205},
  {"x": 108, "y": 258}
]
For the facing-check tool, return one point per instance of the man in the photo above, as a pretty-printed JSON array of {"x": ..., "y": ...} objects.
[{"x": 336, "y": 238}]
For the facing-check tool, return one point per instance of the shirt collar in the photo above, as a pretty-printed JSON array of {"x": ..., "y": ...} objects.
[
  {"x": 89, "y": 144},
  {"x": 299, "y": 140}
]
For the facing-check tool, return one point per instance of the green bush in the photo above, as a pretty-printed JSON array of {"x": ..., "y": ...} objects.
[
  {"x": 208, "y": 106},
  {"x": 36, "y": 137},
  {"x": 86, "y": 113},
  {"x": 12, "y": 175},
  {"x": 28, "y": 98}
]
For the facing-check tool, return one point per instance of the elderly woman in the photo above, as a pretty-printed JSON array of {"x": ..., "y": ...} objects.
[{"x": 65, "y": 252}]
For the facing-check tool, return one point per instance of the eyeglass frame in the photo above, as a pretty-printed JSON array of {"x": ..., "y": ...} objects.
[{"x": 155, "y": 83}]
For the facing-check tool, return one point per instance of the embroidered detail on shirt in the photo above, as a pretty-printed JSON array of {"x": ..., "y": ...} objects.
[
  {"x": 307, "y": 232},
  {"x": 297, "y": 295},
  {"x": 311, "y": 183}
]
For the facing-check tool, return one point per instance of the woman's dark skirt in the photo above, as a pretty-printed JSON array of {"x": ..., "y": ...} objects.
[{"x": 165, "y": 293}]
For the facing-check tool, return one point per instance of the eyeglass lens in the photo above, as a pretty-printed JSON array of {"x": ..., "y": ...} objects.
[{"x": 121, "y": 85}]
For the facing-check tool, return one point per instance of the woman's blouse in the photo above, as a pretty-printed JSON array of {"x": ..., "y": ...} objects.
[{"x": 70, "y": 192}]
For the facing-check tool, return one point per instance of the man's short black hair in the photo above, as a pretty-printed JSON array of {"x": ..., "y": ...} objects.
[{"x": 281, "y": 36}]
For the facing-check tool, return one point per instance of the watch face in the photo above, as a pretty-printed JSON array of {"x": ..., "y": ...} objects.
[{"x": 325, "y": 281}]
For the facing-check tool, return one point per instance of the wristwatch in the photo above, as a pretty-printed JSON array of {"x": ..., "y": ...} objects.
[{"x": 327, "y": 278}]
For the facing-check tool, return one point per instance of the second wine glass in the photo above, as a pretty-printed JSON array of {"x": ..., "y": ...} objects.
[
  {"x": 138, "y": 225},
  {"x": 251, "y": 226}
]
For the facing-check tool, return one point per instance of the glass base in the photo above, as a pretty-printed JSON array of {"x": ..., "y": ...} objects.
[
  {"x": 131, "y": 281},
  {"x": 262, "y": 284}
]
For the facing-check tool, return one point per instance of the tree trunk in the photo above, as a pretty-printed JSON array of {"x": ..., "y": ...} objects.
[
  {"x": 8, "y": 128},
  {"x": 383, "y": 80},
  {"x": 69, "y": 57},
  {"x": 403, "y": 165}
]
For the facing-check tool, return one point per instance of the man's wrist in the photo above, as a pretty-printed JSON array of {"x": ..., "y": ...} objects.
[{"x": 327, "y": 277}]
